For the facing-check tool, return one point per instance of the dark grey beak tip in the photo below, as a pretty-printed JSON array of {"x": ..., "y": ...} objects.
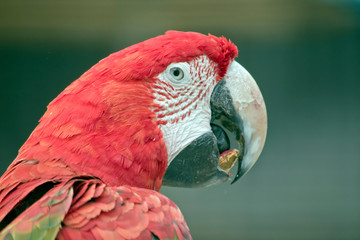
[
  {"x": 240, "y": 171},
  {"x": 238, "y": 176}
]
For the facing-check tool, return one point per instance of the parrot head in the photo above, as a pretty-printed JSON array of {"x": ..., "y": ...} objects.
[{"x": 176, "y": 109}]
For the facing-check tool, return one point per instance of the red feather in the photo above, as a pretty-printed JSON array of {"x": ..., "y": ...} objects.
[
  {"x": 97, "y": 154},
  {"x": 122, "y": 213}
]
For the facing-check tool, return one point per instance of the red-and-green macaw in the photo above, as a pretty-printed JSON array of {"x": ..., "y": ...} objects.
[{"x": 176, "y": 109}]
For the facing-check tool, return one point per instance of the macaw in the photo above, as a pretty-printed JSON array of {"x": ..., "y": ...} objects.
[{"x": 176, "y": 110}]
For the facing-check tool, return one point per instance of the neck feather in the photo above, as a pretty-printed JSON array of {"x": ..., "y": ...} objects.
[{"x": 103, "y": 130}]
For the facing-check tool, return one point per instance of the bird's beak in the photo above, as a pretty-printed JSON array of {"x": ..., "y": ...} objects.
[
  {"x": 244, "y": 115},
  {"x": 238, "y": 123}
]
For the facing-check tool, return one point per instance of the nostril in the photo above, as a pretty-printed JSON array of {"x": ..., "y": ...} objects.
[{"x": 223, "y": 141}]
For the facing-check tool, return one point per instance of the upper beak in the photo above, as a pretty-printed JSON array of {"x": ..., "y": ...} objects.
[
  {"x": 238, "y": 123},
  {"x": 242, "y": 113}
]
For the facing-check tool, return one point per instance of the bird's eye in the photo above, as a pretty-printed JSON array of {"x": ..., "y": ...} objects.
[{"x": 177, "y": 73}]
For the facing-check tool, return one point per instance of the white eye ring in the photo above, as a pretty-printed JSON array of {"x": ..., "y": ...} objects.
[{"x": 176, "y": 73}]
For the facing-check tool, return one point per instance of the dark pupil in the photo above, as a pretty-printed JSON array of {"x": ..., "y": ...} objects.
[{"x": 176, "y": 72}]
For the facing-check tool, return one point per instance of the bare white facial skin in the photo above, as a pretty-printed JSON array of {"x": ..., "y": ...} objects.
[{"x": 185, "y": 101}]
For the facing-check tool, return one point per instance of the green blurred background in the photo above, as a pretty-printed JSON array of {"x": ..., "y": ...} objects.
[{"x": 305, "y": 56}]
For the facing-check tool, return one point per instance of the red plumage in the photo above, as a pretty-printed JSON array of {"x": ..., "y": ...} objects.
[{"x": 99, "y": 134}]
